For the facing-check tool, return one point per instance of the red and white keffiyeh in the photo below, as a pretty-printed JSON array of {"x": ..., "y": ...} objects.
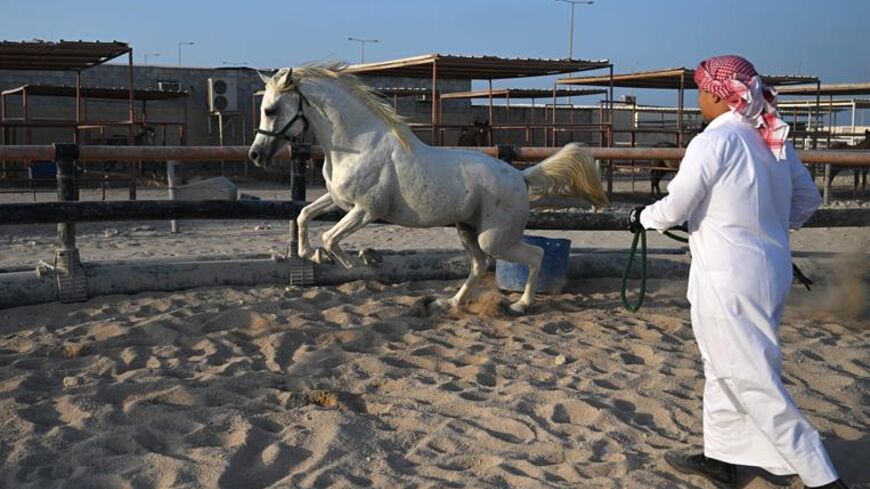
[{"x": 735, "y": 80}]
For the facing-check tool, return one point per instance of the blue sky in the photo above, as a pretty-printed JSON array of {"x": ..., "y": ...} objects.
[{"x": 825, "y": 38}]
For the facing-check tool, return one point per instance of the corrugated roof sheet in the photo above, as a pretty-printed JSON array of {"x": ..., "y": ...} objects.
[
  {"x": 828, "y": 89},
  {"x": 119, "y": 93},
  {"x": 671, "y": 79},
  {"x": 523, "y": 93},
  {"x": 61, "y": 55},
  {"x": 474, "y": 67}
]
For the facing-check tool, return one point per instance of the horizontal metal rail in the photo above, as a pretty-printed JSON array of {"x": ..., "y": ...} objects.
[
  {"x": 511, "y": 153},
  {"x": 52, "y": 212}
]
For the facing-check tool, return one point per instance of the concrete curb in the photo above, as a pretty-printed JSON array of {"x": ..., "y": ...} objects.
[{"x": 135, "y": 276}]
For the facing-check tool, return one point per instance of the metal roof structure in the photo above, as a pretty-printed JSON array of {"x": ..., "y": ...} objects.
[
  {"x": 446, "y": 66},
  {"x": 830, "y": 89},
  {"x": 95, "y": 92},
  {"x": 403, "y": 91},
  {"x": 824, "y": 105},
  {"x": 474, "y": 67},
  {"x": 58, "y": 56},
  {"x": 522, "y": 93},
  {"x": 673, "y": 79}
]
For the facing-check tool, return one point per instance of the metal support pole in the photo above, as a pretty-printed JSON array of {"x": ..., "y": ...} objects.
[
  {"x": 72, "y": 284},
  {"x": 434, "y": 104},
  {"x": 220, "y": 118},
  {"x": 301, "y": 154},
  {"x": 553, "y": 129},
  {"x": 680, "y": 102},
  {"x": 818, "y": 110},
  {"x": 172, "y": 182},
  {"x": 826, "y": 188},
  {"x": 78, "y": 106},
  {"x": 491, "y": 118},
  {"x": 132, "y": 166},
  {"x": 610, "y": 133}
]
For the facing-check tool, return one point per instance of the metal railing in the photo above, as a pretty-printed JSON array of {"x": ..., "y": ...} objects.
[{"x": 70, "y": 275}]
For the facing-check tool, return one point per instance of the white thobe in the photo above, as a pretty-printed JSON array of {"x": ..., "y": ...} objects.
[{"x": 739, "y": 203}]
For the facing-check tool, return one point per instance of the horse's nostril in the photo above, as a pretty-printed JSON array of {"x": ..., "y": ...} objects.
[{"x": 254, "y": 155}]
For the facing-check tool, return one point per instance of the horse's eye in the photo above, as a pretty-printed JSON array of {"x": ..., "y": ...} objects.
[{"x": 270, "y": 112}]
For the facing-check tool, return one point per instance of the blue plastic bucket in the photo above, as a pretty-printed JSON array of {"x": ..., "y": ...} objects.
[{"x": 554, "y": 267}]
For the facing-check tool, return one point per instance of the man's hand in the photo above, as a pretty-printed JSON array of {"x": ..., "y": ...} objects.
[{"x": 634, "y": 224}]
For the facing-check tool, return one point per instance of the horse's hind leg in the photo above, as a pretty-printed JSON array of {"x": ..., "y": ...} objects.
[
  {"x": 469, "y": 236},
  {"x": 349, "y": 224},
  {"x": 509, "y": 246}
]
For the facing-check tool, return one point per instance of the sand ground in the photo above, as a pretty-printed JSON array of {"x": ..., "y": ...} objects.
[{"x": 354, "y": 386}]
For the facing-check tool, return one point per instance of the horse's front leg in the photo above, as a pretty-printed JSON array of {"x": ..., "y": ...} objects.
[
  {"x": 320, "y": 206},
  {"x": 349, "y": 224}
]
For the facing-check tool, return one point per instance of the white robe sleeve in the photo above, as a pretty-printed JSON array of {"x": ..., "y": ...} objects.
[
  {"x": 688, "y": 188},
  {"x": 805, "y": 198}
]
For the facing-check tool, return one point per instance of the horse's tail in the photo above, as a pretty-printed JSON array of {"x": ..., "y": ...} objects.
[{"x": 570, "y": 172}]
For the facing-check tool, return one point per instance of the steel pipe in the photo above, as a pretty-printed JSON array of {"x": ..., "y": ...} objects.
[
  {"x": 527, "y": 153},
  {"x": 51, "y": 212}
]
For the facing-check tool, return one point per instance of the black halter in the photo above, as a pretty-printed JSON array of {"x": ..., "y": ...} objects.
[{"x": 282, "y": 134}]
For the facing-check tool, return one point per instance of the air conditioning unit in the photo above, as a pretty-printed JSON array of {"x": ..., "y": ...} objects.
[
  {"x": 169, "y": 85},
  {"x": 223, "y": 94},
  {"x": 629, "y": 99}
]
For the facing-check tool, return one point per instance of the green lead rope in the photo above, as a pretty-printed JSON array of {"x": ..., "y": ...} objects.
[
  {"x": 629, "y": 261},
  {"x": 640, "y": 235}
]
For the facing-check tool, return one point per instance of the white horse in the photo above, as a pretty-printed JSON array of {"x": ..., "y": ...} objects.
[{"x": 375, "y": 168}]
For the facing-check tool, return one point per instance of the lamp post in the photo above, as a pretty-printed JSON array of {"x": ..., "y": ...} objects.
[
  {"x": 362, "y": 43},
  {"x": 185, "y": 43},
  {"x": 146, "y": 55},
  {"x": 571, "y": 36}
]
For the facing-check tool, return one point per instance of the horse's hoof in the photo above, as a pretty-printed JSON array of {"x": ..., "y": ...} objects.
[
  {"x": 321, "y": 257},
  {"x": 429, "y": 306},
  {"x": 370, "y": 257},
  {"x": 518, "y": 309},
  {"x": 439, "y": 305}
]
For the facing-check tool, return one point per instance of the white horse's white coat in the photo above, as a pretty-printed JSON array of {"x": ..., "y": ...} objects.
[{"x": 375, "y": 168}]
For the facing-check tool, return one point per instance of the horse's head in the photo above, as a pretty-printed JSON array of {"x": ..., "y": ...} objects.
[{"x": 281, "y": 117}]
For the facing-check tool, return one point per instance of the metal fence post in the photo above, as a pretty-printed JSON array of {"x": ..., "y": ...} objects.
[
  {"x": 301, "y": 270},
  {"x": 301, "y": 153},
  {"x": 72, "y": 285},
  {"x": 172, "y": 182},
  {"x": 826, "y": 187}
]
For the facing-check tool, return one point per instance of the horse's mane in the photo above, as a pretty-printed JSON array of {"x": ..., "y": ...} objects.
[{"x": 366, "y": 94}]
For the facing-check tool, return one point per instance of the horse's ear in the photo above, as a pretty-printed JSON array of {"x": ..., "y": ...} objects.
[
  {"x": 263, "y": 77},
  {"x": 286, "y": 78}
]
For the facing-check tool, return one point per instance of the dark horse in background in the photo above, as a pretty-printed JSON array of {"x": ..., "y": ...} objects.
[
  {"x": 660, "y": 168},
  {"x": 475, "y": 135},
  {"x": 859, "y": 172}
]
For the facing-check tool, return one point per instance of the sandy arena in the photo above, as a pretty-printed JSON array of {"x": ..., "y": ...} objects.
[{"x": 351, "y": 386}]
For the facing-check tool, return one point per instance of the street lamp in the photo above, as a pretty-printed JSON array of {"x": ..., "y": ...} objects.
[
  {"x": 362, "y": 43},
  {"x": 185, "y": 43},
  {"x": 156, "y": 55},
  {"x": 571, "y": 38}
]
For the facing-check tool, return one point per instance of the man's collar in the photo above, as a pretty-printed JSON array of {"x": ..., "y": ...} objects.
[{"x": 720, "y": 119}]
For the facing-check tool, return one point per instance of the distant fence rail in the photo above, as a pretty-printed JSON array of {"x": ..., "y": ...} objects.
[
  {"x": 53, "y": 212},
  {"x": 67, "y": 279},
  {"x": 511, "y": 153}
]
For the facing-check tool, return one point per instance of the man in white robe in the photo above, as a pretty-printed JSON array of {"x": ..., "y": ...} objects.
[{"x": 740, "y": 188}]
